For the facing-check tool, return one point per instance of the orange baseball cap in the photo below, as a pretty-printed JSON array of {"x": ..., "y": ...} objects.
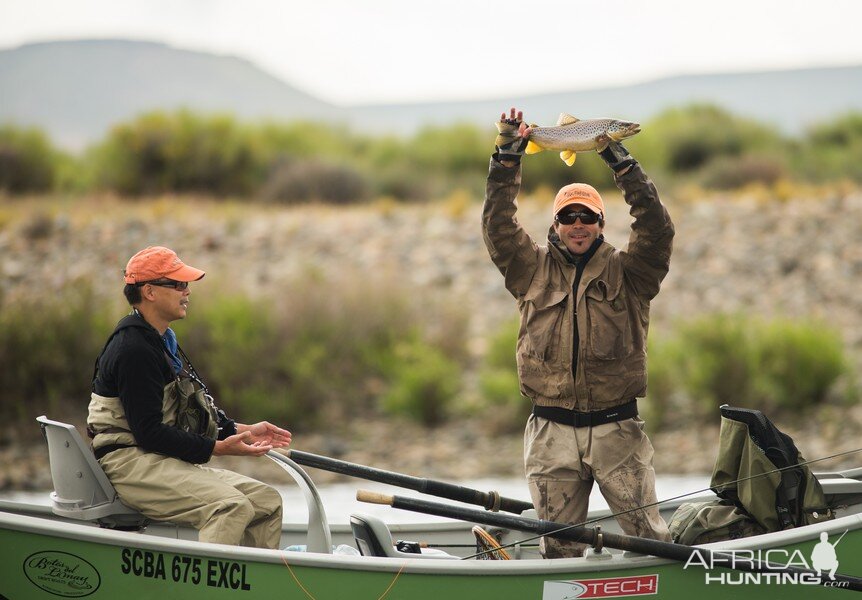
[
  {"x": 157, "y": 262},
  {"x": 579, "y": 193}
]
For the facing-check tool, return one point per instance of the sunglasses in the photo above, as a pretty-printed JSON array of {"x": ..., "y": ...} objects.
[
  {"x": 586, "y": 217},
  {"x": 168, "y": 283}
]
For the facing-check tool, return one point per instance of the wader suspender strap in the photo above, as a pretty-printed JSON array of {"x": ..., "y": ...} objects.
[{"x": 191, "y": 369}]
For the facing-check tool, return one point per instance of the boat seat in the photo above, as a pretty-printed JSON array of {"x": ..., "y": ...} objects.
[
  {"x": 81, "y": 489},
  {"x": 373, "y": 538}
]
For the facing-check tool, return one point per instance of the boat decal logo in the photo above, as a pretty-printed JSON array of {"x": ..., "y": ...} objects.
[
  {"x": 608, "y": 587},
  {"x": 62, "y": 574}
]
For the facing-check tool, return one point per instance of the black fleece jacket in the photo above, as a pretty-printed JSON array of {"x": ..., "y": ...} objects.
[{"x": 134, "y": 367}]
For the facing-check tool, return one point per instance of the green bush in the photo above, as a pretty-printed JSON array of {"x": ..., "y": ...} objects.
[
  {"x": 179, "y": 152},
  {"x": 727, "y": 173},
  {"x": 684, "y": 140},
  {"x": 328, "y": 352},
  {"x": 28, "y": 161},
  {"x": 422, "y": 381},
  {"x": 315, "y": 180},
  {"x": 800, "y": 363},
  {"x": 546, "y": 169},
  {"x": 234, "y": 344},
  {"x": 831, "y": 150},
  {"x": 502, "y": 406},
  {"x": 188, "y": 152},
  {"x": 719, "y": 362},
  {"x": 663, "y": 365},
  {"x": 746, "y": 361},
  {"x": 48, "y": 348}
]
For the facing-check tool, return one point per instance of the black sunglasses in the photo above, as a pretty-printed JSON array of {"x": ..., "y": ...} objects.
[
  {"x": 168, "y": 283},
  {"x": 586, "y": 217}
]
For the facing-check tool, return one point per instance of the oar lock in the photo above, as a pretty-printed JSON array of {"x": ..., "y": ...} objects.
[
  {"x": 493, "y": 501},
  {"x": 599, "y": 544}
]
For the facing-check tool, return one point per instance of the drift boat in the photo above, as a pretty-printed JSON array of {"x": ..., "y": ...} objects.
[{"x": 88, "y": 544}]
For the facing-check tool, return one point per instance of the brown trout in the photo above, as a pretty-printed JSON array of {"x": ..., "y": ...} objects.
[{"x": 570, "y": 135}]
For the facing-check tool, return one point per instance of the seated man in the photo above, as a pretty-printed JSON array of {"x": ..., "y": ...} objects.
[{"x": 154, "y": 424}]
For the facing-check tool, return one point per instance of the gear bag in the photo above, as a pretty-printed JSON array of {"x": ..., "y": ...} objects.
[
  {"x": 712, "y": 521},
  {"x": 196, "y": 411},
  {"x": 754, "y": 495}
]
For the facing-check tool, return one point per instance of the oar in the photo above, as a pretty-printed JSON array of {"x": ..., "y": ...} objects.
[
  {"x": 594, "y": 537},
  {"x": 489, "y": 500}
]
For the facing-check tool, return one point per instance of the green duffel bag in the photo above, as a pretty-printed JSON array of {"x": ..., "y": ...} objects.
[
  {"x": 760, "y": 469},
  {"x": 712, "y": 521}
]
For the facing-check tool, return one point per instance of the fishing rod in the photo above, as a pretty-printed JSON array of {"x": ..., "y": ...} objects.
[
  {"x": 492, "y": 500},
  {"x": 598, "y": 538}
]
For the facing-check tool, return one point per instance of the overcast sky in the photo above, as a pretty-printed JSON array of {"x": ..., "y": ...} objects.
[{"x": 372, "y": 51}]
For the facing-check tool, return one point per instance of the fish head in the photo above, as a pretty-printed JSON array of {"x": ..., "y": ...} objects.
[{"x": 620, "y": 130}]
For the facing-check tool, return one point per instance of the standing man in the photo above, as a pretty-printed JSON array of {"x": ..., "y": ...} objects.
[
  {"x": 153, "y": 424},
  {"x": 582, "y": 342}
]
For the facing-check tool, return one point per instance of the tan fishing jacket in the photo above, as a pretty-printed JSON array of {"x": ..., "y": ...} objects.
[{"x": 611, "y": 305}]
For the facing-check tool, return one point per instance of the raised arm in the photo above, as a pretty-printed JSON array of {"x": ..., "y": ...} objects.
[
  {"x": 647, "y": 258},
  {"x": 510, "y": 247}
]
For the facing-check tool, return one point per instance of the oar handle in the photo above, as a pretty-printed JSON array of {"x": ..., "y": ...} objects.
[
  {"x": 489, "y": 500},
  {"x": 374, "y": 497}
]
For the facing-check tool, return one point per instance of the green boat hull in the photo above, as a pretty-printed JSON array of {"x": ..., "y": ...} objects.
[{"x": 44, "y": 558}]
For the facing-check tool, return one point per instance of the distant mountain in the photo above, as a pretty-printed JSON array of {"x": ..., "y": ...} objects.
[
  {"x": 789, "y": 100},
  {"x": 75, "y": 90}
]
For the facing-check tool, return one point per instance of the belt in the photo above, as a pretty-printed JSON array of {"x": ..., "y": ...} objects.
[
  {"x": 103, "y": 450},
  {"x": 565, "y": 416}
]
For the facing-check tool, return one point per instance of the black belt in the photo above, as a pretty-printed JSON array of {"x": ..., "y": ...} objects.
[
  {"x": 565, "y": 416},
  {"x": 103, "y": 450}
]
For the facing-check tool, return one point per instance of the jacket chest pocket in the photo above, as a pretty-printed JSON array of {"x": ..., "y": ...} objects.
[
  {"x": 543, "y": 319},
  {"x": 610, "y": 327}
]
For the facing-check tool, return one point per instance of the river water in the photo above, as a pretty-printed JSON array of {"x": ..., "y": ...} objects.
[{"x": 340, "y": 498}]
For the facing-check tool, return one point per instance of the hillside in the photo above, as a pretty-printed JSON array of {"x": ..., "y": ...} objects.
[{"x": 75, "y": 90}]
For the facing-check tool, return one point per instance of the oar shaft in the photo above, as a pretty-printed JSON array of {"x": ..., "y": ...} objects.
[
  {"x": 677, "y": 552},
  {"x": 490, "y": 501}
]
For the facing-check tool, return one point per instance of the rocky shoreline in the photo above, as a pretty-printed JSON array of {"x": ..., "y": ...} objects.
[{"x": 799, "y": 257}]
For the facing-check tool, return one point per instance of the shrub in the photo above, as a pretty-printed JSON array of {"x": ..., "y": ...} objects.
[
  {"x": 664, "y": 358},
  {"x": 832, "y": 150},
  {"x": 234, "y": 344},
  {"x": 47, "y": 351},
  {"x": 503, "y": 407},
  {"x": 800, "y": 363},
  {"x": 693, "y": 136},
  {"x": 310, "y": 180},
  {"x": 422, "y": 381},
  {"x": 727, "y": 173},
  {"x": 546, "y": 169},
  {"x": 178, "y": 152},
  {"x": 27, "y": 161},
  {"x": 718, "y": 363},
  {"x": 307, "y": 139},
  {"x": 457, "y": 149},
  {"x": 745, "y": 361},
  {"x": 326, "y": 353}
]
